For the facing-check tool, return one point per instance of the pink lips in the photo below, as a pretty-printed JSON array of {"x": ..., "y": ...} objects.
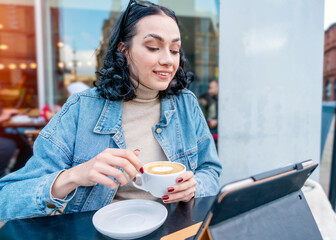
[{"x": 166, "y": 76}]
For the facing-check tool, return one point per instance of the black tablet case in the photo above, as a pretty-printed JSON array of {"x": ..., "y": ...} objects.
[{"x": 272, "y": 207}]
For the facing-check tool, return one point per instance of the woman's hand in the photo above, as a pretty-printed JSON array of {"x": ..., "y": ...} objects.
[
  {"x": 6, "y": 114},
  {"x": 99, "y": 170},
  {"x": 183, "y": 191}
]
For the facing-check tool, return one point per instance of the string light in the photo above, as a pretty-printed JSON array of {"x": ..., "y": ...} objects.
[
  {"x": 60, "y": 64},
  {"x": 33, "y": 65},
  {"x": 2, "y": 66},
  {"x": 60, "y": 44},
  {"x": 12, "y": 66},
  {"x": 3, "y": 47},
  {"x": 23, "y": 66}
]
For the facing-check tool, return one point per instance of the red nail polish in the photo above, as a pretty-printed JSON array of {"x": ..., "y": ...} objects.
[
  {"x": 141, "y": 170},
  {"x": 171, "y": 189},
  {"x": 165, "y": 197},
  {"x": 179, "y": 179},
  {"x": 137, "y": 150}
]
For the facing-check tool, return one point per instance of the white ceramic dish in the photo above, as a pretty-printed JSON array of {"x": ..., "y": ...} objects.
[
  {"x": 129, "y": 219},
  {"x": 21, "y": 119}
]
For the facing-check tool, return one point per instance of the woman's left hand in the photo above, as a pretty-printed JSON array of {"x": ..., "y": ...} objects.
[{"x": 183, "y": 191}]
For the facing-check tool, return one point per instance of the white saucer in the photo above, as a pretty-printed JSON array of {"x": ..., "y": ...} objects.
[
  {"x": 21, "y": 119},
  {"x": 129, "y": 219}
]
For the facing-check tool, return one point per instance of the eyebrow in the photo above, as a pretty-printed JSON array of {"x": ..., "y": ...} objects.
[{"x": 153, "y": 35}]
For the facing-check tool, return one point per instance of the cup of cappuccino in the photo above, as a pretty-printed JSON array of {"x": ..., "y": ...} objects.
[{"x": 158, "y": 176}]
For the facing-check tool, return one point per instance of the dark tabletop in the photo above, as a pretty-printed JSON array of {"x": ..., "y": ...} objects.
[
  {"x": 79, "y": 225},
  {"x": 10, "y": 124}
]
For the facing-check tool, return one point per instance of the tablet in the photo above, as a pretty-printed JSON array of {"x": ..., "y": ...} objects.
[{"x": 269, "y": 205}]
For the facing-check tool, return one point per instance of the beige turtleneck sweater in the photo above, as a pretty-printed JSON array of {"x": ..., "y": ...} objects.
[{"x": 138, "y": 118}]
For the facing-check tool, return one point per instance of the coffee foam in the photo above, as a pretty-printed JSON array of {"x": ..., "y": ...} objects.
[{"x": 163, "y": 168}]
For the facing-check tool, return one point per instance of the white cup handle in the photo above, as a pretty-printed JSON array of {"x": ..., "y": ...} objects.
[{"x": 142, "y": 186}]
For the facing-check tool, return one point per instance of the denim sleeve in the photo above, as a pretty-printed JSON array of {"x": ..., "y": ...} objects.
[
  {"x": 208, "y": 168},
  {"x": 27, "y": 192}
]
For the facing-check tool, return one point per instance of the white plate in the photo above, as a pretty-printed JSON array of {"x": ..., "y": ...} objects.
[
  {"x": 129, "y": 219},
  {"x": 21, "y": 119}
]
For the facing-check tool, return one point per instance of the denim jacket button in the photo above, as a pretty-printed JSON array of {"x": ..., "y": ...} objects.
[
  {"x": 158, "y": 130},
  {"x": 49, "y": 205}
]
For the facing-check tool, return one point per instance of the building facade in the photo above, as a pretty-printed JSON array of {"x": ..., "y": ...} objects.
[{"x": 329, "y": 66}]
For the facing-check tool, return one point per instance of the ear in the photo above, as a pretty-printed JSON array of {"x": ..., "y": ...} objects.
[{"x": 122, "y": 48}]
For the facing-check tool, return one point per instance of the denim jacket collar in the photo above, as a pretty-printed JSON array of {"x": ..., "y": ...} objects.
[
  {"x": 168, "y": 108},
  {"x": 110, "y": 119}
]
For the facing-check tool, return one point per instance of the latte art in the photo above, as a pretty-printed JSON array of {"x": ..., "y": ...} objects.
[{"x": 163, "y": 168}]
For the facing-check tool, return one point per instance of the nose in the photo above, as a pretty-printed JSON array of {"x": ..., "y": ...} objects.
[{"x": 166, "y": 58}]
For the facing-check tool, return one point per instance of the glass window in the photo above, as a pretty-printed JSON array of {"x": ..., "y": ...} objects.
[
  {"x": 77, "y": 28},
  {"x": 328, "y": 91},
  {"x": 328, "y": 63},
  {"x": 81, "y": 29},
  {"x": 18, "y": 75}
]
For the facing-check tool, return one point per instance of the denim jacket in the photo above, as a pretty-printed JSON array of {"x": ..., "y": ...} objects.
[{"x": 86, "y": 125}]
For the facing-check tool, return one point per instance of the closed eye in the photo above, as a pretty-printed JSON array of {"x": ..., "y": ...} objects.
[
  {"x": 152, "y": 48},
  {"x": 174, "y": 52}
]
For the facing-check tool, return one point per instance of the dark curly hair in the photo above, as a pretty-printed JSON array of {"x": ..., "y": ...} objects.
[{"x": 113, "y": 81}]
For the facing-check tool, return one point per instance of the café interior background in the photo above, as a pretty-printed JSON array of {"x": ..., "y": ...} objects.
[{"x": 74, "y": 33}]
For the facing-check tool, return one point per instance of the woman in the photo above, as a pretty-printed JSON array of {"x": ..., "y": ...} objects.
[{"x": 139, "y": 112}]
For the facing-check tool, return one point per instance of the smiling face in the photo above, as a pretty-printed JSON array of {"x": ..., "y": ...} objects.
[{"x": 154, "y": 56}]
